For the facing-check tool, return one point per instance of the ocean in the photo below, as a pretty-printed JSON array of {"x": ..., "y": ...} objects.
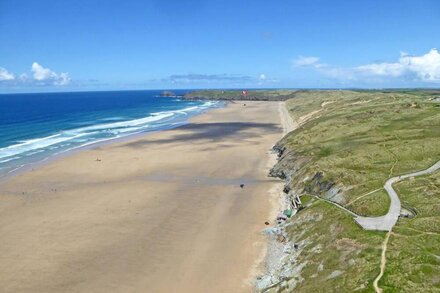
[{"x": 38, "y": 126}]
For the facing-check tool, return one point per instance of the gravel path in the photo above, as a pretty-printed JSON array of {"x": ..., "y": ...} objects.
[{"x": 387, "y": 222}]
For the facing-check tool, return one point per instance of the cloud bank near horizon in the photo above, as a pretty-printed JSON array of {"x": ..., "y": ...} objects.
[
  {"x": 46, "y": 75},
  {"x": 407, "y": 70},
  {"x": 424, "y": 68},
  {"x": 41, "y": 76},
  {"x": 6, "y": 75},
  {"x": 230, "y": 79}
]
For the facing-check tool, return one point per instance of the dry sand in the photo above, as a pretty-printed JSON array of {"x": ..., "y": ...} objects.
[{"x": 159, "y": 213}]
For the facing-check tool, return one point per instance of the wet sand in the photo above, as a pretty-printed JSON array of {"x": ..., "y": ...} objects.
[{"x": 159, "y": 213}]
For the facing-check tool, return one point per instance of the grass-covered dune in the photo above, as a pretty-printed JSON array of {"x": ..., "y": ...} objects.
[
  {"x": 347, "y": 145},
  {"x": 413, "y": 255},
  {"x": 352, "y": 142}
]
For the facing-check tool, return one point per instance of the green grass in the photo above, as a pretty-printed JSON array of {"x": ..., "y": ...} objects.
[
  {"x": 279, "y": 94},
  {"x": 413, "y": 256},
  {"x": 363, "y": 138},
  {"x": 357, "y": 140},
  {"x": 375, "y": 204},
  {"x": 331, "y": 239}
]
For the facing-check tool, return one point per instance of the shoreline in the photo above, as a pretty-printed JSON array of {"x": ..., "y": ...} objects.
[
  {"x": 277, "y": 200},
  {"x": 100, "y": 143},
  {"x": 273, "y": 249},
  {"x": 233, "y": 218}
]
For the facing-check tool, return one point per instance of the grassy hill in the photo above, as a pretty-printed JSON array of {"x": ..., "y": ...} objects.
[
  {"x": 413, "y": 253},
  {"x": 255, "y": 95},
  {"x": 347, "y": 145}
]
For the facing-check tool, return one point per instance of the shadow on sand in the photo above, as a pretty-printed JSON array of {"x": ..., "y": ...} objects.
[{"x": 212, "y": 131}]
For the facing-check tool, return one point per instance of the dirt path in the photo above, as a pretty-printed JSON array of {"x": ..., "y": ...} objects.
[
  {"x": 383, "y": 261},
  {"x": 286, "y": 120},
  {"x": 337, "y": 205},
  {"x": 388, "y": 187},
  {"x": 362, "y": 196}
]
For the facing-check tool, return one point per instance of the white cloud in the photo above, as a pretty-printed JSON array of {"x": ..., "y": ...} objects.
[
  {"x": 385, "y": 69},
  {"x": 302, "y": 61},
  {"x": 41, "y": 73},
  {"x": 46, "y": 75},
  {"x": 6, "y": 75},
  {"x": 63, "y": 79},
  {"x": 427, "y": 67},
  {"x": 264, "y": 79},
  {"x": 424, "y": 68},
  {"x": 218, "y": 79}
]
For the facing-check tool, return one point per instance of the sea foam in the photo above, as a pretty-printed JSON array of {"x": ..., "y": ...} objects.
[{"x": 66, "y": 140}]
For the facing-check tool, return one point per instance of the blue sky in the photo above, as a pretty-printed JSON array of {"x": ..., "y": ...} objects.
[{"x": 105, "y": 45}]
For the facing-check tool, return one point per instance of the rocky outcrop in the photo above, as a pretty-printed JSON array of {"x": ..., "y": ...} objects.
[
  {"x": 289, "y": 162},
  {"x": 291, "y": 167},
  {"x": 167, "y": 94},
  {"x": 283, "y": 268},
  {"x": 318, "y": 184}
]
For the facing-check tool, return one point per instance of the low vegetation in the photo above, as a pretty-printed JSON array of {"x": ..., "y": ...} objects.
[
  {"x": 347, "y": 145},
  {"x": 336, "y": 255},
  {"x": 261, "y": 95},
  {"x": 358, "y": 140},
  {"x": 413, "y": 255}
]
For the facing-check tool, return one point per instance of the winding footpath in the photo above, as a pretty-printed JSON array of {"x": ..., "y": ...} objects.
[
  {"x": 387, "y": 222},
  {"x": 383, "y": 261}
]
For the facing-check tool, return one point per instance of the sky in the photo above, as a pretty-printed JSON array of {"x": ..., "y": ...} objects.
[{"x": 159, "y": 44}]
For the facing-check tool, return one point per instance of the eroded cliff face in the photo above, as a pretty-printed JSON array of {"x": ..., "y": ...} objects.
[
  {"x": 299, "y": 179},
  {"x": 289, "y": 249}
]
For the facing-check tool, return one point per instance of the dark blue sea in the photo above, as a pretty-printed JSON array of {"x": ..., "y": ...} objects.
[{"x": 34, "y": 127}]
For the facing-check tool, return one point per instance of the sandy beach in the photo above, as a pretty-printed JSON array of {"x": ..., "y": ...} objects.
[{"x": 163, "y": 212}]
